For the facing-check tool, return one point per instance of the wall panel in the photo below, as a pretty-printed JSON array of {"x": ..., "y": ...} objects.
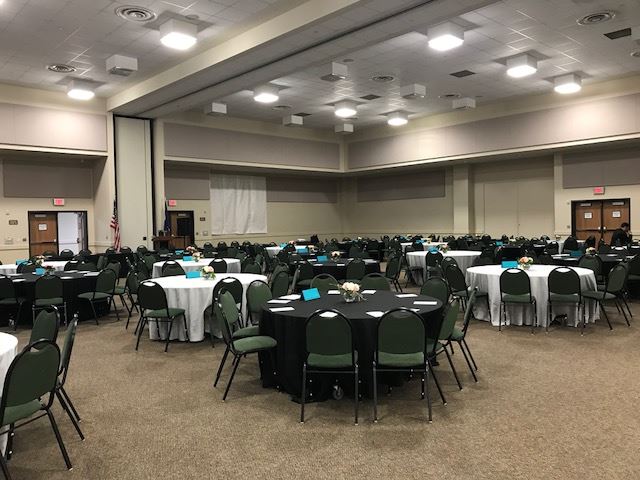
[{"x": 40, "y": 179}]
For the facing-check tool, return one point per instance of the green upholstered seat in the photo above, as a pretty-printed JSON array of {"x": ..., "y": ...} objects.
[
  {"x": 318, "y": 360},
  {"x": 564, "y": 298},
  {"x": 43, "y": 302},
  {"x": 94, "y": 296},
  {"x": 162, "y": 313},
  {"x": 509, "y": 298},
  {"x": 254, "y": 344},
  {"x": 598, "y": 295},
  {"x": 250, "y": 331},
  {"x": 18, "y": 412}
]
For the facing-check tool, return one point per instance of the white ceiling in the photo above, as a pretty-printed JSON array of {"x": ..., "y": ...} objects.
[
  {"x": 84, "y": 33},
  {"x": 494, "y": 32}
]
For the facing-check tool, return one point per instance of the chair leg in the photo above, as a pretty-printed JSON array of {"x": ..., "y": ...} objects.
[
  {"x": 93, "y": 309},
  {"x": 428, "y": 394},
  {"x": 606, "y": 317},
  {"x": 54, "y": 425},
  {"x": 489, "y": 308},
  {"x": 233, "y": 374},
  {"x": 375, "y": 394},
  {"x": 113, "y": 302},
  {"x": 453, "y": 368},
  {"x": 534, "y": 323},
  {"x": 303, "y": 396},
  {"x": 70, "y": 403},
  {"x": 186, "y": 328},
  {"x": 435, "y": 379},
  {"x": 584, "y": 315},
  {"x": 5, "y": 469},
  {"x": 166, "y": 345},
  {"x": 464, "y": 354},
  {"x": 356, "y": 391},
  {"x": 65, "y": 407},
  {"x": 621, "y": 308},
  {"x": 222, "y": 362},
  {"x": 211, "y": 328},
  {"x": 10, "y": 435},
  {"x": 502, "y": 312},
  {"x": 142, "y": 321},
  {"x": 470, "y": 355}
]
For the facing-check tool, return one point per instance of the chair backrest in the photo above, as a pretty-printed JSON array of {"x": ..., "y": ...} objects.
[
  {"x": 142, "y": 249},
  {"x": 71, "y": 265},
  {"x": 151, "y": 296},
  {"x": 67, "y": 348},
  {"x": 479, "y": 261},
  {"x": 436, "y": 287},
  {"x": 280, "y": 284},
  {"x": 26, "y": 267},
  {"x": 252, "y": 267},
  {"x": 570, "y": 244},
  {"x": 616, "y": 279},
  {"x": 66, "y": 253},
  {"x": 219, "y": 265},
  {"x": 448, "y": 261},
  {"x": 133, "y": 282},
  {"x": 324, "y": 282},
  {"x": 592, "y": 262},
  {"x": 231, "y": 285},
  {"x": 46, "y": 325},
  {"x": 455, "y": 278},
  {"x": 564, "y": 281},
  {"x": 433, "y": 259},
  {"x": 258, "y": 294},
  {"x": 305, "y": 271},
  {"x": 545, "y": 259},
  {"x": 171, "y": 268},
  {"x": 7, "y": 289},
  {"x": 103, "y": 260},
  {"x": 232, "y": 252},
  {"x": 393, "y": 268},
  {"x": 374, "y": 281},
  {"x": 48, "y": 286},
  {"x": 105, "y": 281},
  {"x": 400, "y": 331},
  {"x": 31, "y": 375},
  {"x": 87, "y": 267},
  {"x": 230, "y": 309},
  {"x": 328, "y": 332},
  {"x": 354, "y": 251},
  {"x": 356, "y": 269},
  {"x": 449, "y": 322},
  {"x": 514, "y": 281},
  {"x": 115, "y": 266}
]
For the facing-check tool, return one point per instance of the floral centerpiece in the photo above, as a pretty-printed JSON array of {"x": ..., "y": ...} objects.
[
  {"x": 525, "y": 262},
  {"x": 443, "y": 248},
  {"x": 335, "y": 255},
  {"x": 591, "y": 251},
  {"x": 48, "y": 270},
  {"x": 207, "y": 272},
  {"x": 193, "y": 252},
  {"x": 350, "y": 292},
  {"x": 39, "y": 260}
]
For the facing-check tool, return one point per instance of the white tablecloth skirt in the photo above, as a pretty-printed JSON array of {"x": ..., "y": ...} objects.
[
  {"x": 487, "y": 278},
  {"x": 233, "y": 266},
  {"x": 195, "y": 295},
  {"x": 8, "y": 351},
  {"x": 10, "y": 269},
  {"x": 464, "y": 258}
]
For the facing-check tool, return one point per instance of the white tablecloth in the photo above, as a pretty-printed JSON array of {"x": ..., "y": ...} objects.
[
  {"x": 10, "y": 269},
  {"x": 195, "y": 295},
  {"x": 426, "y": 244},
  {"x": 464, "y": 258},
  {"x": 233, "y": 265},
  {"x": 487, "y": 278},
  {"x": 8, "y": 351}
]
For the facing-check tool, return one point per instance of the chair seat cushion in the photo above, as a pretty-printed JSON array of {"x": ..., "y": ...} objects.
[
  {"x": 387, "y": 359},
  {"x": 305, "y": 283},
  {"x": 250, "y": 331},
  {"x": 598, "y": 295},
  {"x": 508, "y": 298},
  {"x": 329, "y": 361},
  {"x": 457, "y": 334},
  {"x": 90, "y": 296},
  {"x": 564, "y": 298},
  {"x": 254, "y": 344},
  {"x": 11, "y": 301},
  {"x": 634, "y": 277},
  {"x": 18, "y": 412},
  {"x": 162, "y": 313},
  {"x": 43, "y": 302},
  {"x": 118, "y": 290}
]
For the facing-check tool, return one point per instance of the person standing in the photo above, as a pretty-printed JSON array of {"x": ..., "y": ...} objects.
[{"x": 621, "y": 236}]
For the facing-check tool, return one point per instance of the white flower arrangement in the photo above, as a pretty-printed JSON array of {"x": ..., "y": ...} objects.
[
  {"x": 335, "y": 255},
  {"x": 525, "y": 262},
  {"x": 591, "y": 251},
  {"x": 350, "y": 291},
  {"x": 208, "y": 272},
  {"x": 443, "y": 248}
]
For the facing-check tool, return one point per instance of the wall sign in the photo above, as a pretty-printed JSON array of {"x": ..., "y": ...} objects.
[
  {"x": 588, "y": 215},
  {"x": 42, "y": 226},
  {"x": 13, "y": 222},
  {"x": 598, "y": 190},
  {"x": 617, "y": 203},
  {"x": 616, "y": 214},
  {"x": 202, "y": 219},
  {"x": 58, "y": 202},
  {"x": 172, "y": 203}
]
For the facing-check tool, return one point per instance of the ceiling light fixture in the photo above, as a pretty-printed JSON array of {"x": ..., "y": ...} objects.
[
  {"x": 397, "y": 119},
  {"x": 521, "y": 66},
  {"x": 345, "y": 109},
  {"x": 565, "y": 84},
  {"x": 266, "y": 94},
  {"x": 445, "y": 36},
  {"x": 79, "y": 90},
  {"x": 178, "y": 35}
]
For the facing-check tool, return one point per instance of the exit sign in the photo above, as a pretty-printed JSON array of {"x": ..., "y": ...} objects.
[
  {"x": 172, "y": 203},
  {"x": 58, "y": 202},
  {"x": 598, "y": 190}
]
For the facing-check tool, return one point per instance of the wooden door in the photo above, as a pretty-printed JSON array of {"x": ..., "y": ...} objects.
[
  {"x": 614, "y": 213},
  {"x": 182, "y": 225},
  {"x": 43, "y": 232},
  {"x": 588, "y": 219}
]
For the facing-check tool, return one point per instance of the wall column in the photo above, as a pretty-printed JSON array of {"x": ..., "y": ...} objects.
[{"x": 462, "y": 201}]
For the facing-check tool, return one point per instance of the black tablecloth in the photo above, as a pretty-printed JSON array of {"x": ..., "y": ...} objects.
[
  {"x": 73, "y": 283},
  {"x": 337, "y": 269},
  {"x": 288, "y": 328},
  {"x": 608, "y": 261}
]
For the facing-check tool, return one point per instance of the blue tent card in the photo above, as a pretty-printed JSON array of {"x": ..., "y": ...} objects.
[
  {"x": 310, "y": 294},
  {"x": 509, "y": 264},
  {"x": 193, "y": 274}
]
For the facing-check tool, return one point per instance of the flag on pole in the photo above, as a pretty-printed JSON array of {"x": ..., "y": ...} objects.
[
  {"x": 115, "y": 226},
  {"x": 167, "y": 222}
]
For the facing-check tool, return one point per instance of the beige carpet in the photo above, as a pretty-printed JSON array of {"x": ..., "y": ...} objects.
[{"x": 556, "y": 406}]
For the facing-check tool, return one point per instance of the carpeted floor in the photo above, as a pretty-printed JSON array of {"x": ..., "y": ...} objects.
[{"x": 556, "y": 406}]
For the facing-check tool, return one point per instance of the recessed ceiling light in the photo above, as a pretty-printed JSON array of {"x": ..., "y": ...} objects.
[
  {"x": 445, "y": 36},
  {"x": 134, "y": 13},
  {"x": 521, "y": 66},
  {"x": 80, "y": 90},
  {"x": 565, "y": 84},
  {"x": 60, "y": 67},
  {"x": 397, "y": 119},
  {"x": 266, "y": 94},
  {"x": 345, "y": 109},
  {"x": 597, "y": 17},
  {"x": 383, "y": 78},
  {"x": 178, "y": 35}
]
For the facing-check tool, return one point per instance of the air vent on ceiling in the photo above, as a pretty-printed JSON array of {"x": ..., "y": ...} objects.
[
  {"x": 61, "y": 68},
  {"x": 302, "y": 114},
  {"x": 135, "y": 13},
  {"x": 371, "y": 96},
  {"x": 281, "y": 107},
  {"x": 462, "y": 73},
  {"x": 625, "y": 32},
  {"x": 383, "y": 78},
  {"x": 597, "y": 17},
  {"x": 449, "y": 95}
]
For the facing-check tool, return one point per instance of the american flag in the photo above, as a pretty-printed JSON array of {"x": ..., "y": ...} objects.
[{"x": 116, "y": 227}]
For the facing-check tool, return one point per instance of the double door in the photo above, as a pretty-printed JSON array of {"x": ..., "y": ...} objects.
[
  {"x": 52, "y": 232},
  {"x": 599, "y": 218}
]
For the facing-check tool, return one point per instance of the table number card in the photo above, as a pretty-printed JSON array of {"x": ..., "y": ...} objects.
[
  {"x": 310, "y": 294},
  {"x": 194, "y": 274},
  {"x": 509, "y": 264},
  {"x": 322, "y": 258}
]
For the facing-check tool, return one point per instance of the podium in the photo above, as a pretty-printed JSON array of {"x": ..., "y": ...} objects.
[{"x": 169, "y": 243}]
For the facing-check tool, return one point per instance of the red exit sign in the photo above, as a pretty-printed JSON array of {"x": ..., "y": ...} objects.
[
  {"x": 598, "y": 190},
  {"x": 58, "y": 202},
  {"x": 173, "y": 203}
]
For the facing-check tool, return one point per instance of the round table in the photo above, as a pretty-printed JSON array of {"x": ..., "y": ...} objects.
[
  {"x": 288, "y": 328},
  {"x": 58, "y": 266},
  {"x": 487, "y": 278},
  {"x": 339, "y": 269},
  {"x": 8, "y": 351},
  {"x": 195, "y": 295},
  {"x": 608, "y": 260},
  {"x": 426, "y": 245},
  {"x": 233, "y": 265},
  {"x": 464, "y": 258}
]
